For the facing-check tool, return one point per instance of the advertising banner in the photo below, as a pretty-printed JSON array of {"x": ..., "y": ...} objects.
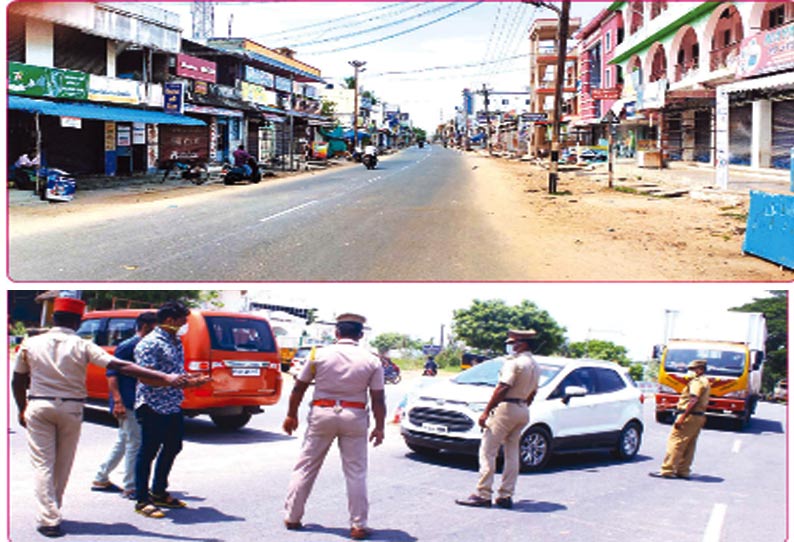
[
  {"x": 71, "y": 122},
  {"x": 257, "y": 94},
  {"x": 46, "y": 82},
  {"x": 259, "y": 77},
  {"x": 196, "y": 68},
  {"x": 173, "y": 98},
  {"x": 109, "y": 89},
  {"x": 652, "y": 95},
  {"x": 767, "y": 52},
  {"x": 606, "y": 93},
  {"x": 138, "y": 133},
  {"x": 283, "y": 84}
]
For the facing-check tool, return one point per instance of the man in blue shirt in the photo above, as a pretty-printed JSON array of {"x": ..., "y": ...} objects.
[
  {"x": 122, "y": 406},
  {"x": 160, "y": 414}
]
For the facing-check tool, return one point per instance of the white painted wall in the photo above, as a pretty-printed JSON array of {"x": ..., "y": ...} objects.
[{"x": 39, "y": 43}]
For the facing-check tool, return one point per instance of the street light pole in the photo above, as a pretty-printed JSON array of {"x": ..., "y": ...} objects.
[{"x": 358, "y": 66}]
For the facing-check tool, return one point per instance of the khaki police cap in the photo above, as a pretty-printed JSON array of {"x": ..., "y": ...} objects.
[
  {"x": 694, "y": 364},
  {"x": 514, "y": 335},
  {"x": 350, "y": 317}
]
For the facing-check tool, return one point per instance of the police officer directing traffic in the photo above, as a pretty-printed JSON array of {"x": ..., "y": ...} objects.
[
  {"x": 49, "y": 390},
  {"x": 690, "y": 420},
  {"x": 503, "y": 420},
  {"x": 343, "y": 373}
]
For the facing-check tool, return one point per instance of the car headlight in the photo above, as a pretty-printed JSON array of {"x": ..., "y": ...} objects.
[
  {"x": 737, "y": 394},
  {"x": 477, "y": 407}
]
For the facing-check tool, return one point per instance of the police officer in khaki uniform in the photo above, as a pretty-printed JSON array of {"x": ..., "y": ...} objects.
[
  {"x": 343, "y": 373},
  {"x": 49, "y": 390},
  {"x": 686, "y": 429},
  {"x": 503, "y": 420}
]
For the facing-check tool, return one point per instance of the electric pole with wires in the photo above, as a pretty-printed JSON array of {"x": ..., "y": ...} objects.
[{"x": 358, "y": 67}]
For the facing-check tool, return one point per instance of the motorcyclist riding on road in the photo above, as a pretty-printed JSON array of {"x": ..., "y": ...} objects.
[{"x": 241, "y": 157}]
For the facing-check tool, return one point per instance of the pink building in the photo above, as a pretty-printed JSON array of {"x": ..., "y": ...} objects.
[{"x": 601, "y": 83}]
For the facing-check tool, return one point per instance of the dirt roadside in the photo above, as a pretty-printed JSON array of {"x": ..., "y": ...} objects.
[{"x": 592, "y": 233}]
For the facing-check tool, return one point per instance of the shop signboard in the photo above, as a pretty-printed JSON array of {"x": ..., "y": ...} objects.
[
  {"x": 196, "y": 68},
  {"x": 259, "y": 77},
  {"x": 173, "y": 98},
  {"x": 110, "y": 136},
  {"x": 138, "y": 133},
  {"x": 652, "y": 95},
  {"x": 154, "y": 95},
  {"x": 200, "y": 87},
  {"x": 283, "y": 84},
  {"x": 257, "y": 94},
  {"x": 767, "y": 52},
  {"x": 606, "y": 93},
  {"x": 46, "y": 82},
  {"x": 71, "y": 122},
  {"x": 123, "y": 136},
  {"x": 110, "y": 89}
]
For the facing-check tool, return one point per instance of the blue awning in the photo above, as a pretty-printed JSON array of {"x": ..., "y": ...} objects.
[{"x": 85, "y": 110}]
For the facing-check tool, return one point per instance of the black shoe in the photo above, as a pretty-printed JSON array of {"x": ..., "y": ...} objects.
[
  {"x": 50, "y": 531},
  {"x": 504, "y": 502},
  {"x": 474, "y": 500},
  {"x": 293, "y": 525},
  {"x": 683, "y": 477}
]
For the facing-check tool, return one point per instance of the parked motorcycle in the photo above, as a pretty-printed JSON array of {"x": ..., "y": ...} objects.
[
  {"x": 391, "y": 374},
  {"x": 54, "y": 184},
  {"x": 237, "y": 174},
  {"x": 193, "y": 170},
  {"x": 369, "y": 161}
]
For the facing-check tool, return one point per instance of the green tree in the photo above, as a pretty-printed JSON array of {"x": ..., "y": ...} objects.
[
  {"x": 143, "y": 299},
  {"x": 420, "y": 134},
  {"x": 327, "y": 108},
  {"x": 371, "y": 95},
  {"x": 350, "y": 82},
  {"x": 597, "y": 349},
  {"x": 388, "y": 341},
  {"x": 484, "y": 326},
  {"x": 776, "y": 313}
]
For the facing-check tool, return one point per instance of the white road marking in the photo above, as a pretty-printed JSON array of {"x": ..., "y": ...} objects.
[
  {"x": 287, "y": 211},
  {"x": 714, "y": 527},
  {"x": 737, "y": 445}
]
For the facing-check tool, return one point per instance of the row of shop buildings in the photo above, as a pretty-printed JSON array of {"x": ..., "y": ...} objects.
[
  {"x": 709, "y": 82},
  {"x": 115, "y": 89}
]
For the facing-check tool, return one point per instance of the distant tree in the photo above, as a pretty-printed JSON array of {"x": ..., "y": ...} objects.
[
  {"x": 389, "y": 341},
  {"x": 371, "y": 95},
  {"x": 350, "y": 82},
  {"x": 328, "y": 108},
  {"x": 597, "y": 349},
  {"x": 140, "y": 299},
  {"x": 420, "y": 134},
  {"x": 776, "y": 313},
  {"x": 484, "y": 326}
]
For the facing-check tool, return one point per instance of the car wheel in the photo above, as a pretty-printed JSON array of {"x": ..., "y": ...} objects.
[
  {"x": 629, "y": 441},
  {"x": 535, "y": 449},
  {"x": 422, "y": 450},
  {"x": 232, "y": 422}
]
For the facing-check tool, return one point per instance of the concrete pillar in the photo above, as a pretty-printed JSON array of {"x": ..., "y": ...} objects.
[
  {"x": 39, "y": 43},
  {"x": 761, "y": 149},
  {"x": 111, "y": 58}
]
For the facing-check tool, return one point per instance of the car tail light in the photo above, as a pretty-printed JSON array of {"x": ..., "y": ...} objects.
[
  {"x": 198, "y": 366},
  {"x": 642, "y": 398}
]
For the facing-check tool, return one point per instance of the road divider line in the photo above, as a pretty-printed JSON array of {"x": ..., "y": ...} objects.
[
  {"x": 714, "y": 527},
  {"x": 287, "y": 211},
  {"x": 737, "y": 445}
]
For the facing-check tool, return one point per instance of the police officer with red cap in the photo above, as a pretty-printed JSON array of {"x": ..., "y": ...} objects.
[{"x": 49, "y": 389}]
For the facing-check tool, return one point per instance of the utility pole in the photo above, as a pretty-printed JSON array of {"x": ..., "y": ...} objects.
[
  {"x": 559, "y": 81},
  {"x": 487, "y": 118},
  {"x": 358, "y": 67}
]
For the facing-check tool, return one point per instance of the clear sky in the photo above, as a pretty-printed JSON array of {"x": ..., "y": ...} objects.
[
  {"x": 629, "y": 314},
  {"x": 487, "y": 32}
]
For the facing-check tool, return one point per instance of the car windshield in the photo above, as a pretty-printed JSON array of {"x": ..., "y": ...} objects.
[
  {"x": 719, "y": 362},
  {"x": 487, "y": 373},
  {"x": 303, "y": 352}
]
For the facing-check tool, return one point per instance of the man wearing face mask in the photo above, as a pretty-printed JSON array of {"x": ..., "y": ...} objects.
[
  {"x": 690, "y": 420},
  {"x": 503, "y": 419},
  {"x": 159, "y": 413}
]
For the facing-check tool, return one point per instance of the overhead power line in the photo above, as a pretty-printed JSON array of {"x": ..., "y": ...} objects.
[
  {"x": 397, "y": 34},
  {"x": 374, "y": 28},
  {"x": 346, "y": 18},
  {"x": 454, "y": 67}
]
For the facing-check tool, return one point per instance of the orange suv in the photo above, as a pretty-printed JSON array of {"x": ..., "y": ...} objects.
[{"x": 237, "y": 350}]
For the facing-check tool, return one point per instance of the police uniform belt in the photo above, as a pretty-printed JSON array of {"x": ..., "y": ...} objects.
[
  {"x": 333, "y": 403},
  {"x": 693, "y": 413},
  {"x": 514, "y": 400},
  {"x": 46, "y": 398}
]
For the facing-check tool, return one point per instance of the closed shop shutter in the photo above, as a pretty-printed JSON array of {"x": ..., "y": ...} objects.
[
  {"x": 741, "y": 134},
  {"x": 75, "y": 50},
  {"x": 185, "y": 141},
  {"x": 782, "y": 133}
]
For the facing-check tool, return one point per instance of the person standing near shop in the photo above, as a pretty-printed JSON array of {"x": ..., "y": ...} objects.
[
  {"x": 343, "y": 373},
  {"x": 122, "y": 406},
  {"x": 690, "y": 420},
  {"x": 159, "y": 411},
  {"x": 49, "y": 389},
  {"x": 503, "y": 420}
]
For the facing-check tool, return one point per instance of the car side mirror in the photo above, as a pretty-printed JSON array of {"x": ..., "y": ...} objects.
[{"x": 573, "y": 391}]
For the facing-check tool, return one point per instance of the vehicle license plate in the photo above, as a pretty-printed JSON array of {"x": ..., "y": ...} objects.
[
  {"x": 434, "y": 428},
  {"x": 246, "y": 372}
]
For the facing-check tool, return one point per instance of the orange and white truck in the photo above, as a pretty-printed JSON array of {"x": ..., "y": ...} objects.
[{"x": 733, "y": 345}]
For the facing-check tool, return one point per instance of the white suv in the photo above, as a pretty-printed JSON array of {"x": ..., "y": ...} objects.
[{"x": 581, "y": 405}]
